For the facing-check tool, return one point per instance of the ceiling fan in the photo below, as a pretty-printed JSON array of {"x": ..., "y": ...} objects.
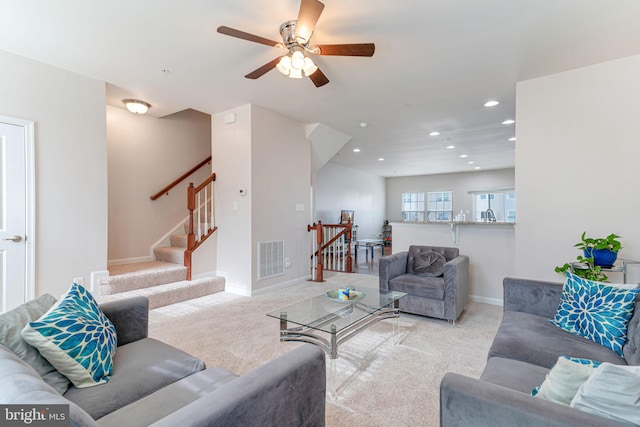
[{"x": 296, "y": 37}]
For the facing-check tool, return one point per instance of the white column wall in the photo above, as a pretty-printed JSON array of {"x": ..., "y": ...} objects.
[
  {"x": 71, "y": 167},
  {"x": 577, "y": 163},
  {"x": 231, "y": 152},
  {"x": 281, "y": 179}
]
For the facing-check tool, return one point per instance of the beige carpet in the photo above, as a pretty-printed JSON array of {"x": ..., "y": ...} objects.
[{"x": 377, "y": 382}]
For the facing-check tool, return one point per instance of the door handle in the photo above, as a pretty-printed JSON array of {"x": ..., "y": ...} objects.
[{"x": 15, "y": 238}]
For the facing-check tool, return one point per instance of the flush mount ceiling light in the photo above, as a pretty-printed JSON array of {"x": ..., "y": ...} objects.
[
  {"x": 491, "y": 103},
  {"x": 508, "y": 122},
  {"x": 136, "y": 106}
]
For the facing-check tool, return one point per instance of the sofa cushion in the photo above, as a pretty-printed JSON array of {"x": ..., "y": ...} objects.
[
  {"x": 597, "y": 311},
  {"x": 513, "y": 374},
  {"x": 76, "y": 338},
  {"x": 169, "y": 399},
  {"x": 21, "y": 383},
  {"x": 139, "y": 369},
  {"x": 533, "y": 339},
  {"x": 426, "y": 287},
  {"x": 564, "y": 379},
  {"x": 12, "y": 323},
  {"x": 449, "y": 254},
  {"x": 429, "y": 264}
]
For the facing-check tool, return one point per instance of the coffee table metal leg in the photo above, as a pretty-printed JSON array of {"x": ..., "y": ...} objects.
[{"x": 334, "y": 342}]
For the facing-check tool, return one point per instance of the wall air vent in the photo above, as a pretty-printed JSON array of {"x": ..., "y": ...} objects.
[{"x": 270, "y": 259}]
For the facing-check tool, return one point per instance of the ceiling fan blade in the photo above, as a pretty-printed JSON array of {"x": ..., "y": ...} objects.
[
  {"x": 318, "y": 78},
  {"x": 258, "y": 72},
  {"x": 357, "y": 49},
  {"x": 308, "y": 16},
  {"x": 246, "y": 36}
]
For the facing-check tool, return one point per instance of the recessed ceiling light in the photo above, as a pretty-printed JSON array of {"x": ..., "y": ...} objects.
[
  {"x": 434, "y": 133},
  {"x": 471, "y": 162},
  {"x": 512, "y": 139},
  {"x": 477, "y": 167},
  {"x": 491, "y": 103},
  {"x": 464, "y": 155},
  {"x": 449, "y": 147},
  {"x": 356, "y": 150},
  {"x": 381, "y": 159},
  {"x": 508, "y": 122},
  {"x": 364, "y": 124}
]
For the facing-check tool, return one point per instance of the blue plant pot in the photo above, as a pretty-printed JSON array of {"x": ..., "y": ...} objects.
[{"x": 601, "y": 257}]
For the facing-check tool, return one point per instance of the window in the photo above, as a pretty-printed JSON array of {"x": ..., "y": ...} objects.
[
  {"x": 440, "y": 205},
  {"x": 501, "y": 202},
  {"x": 413, "y": 206}
]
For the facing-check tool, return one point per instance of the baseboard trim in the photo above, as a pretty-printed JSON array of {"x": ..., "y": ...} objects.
[
  {"x": 243, "y": 291},
  {"x": 280, "y": 285},
  {"x": 485, "y": 300},
  {"x": 129, "y": 260}
]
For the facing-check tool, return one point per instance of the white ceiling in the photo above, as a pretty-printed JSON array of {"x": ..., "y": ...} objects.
[{"x": 436, "y": 63}]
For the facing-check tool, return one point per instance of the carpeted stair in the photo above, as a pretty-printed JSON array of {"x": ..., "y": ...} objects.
[{"x": 163, "y": 281}]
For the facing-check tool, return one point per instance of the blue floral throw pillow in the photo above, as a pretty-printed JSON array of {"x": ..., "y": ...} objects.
[
  {"x": 76, "y": 338},
  {"x": 596, "y": 311}
]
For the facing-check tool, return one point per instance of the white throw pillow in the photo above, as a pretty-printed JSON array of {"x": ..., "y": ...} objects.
[
  {"x": 564, "y": 379},
  {"x": 612, "y": 391}
]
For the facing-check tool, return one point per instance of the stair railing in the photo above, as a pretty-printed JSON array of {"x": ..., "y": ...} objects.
[
  {"x": 182, "y": 177},
  {"x": 330, "y": 249},
  {"x": 200, "y": 203}
]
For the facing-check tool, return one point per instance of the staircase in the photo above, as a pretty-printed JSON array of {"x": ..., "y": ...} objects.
[{"x": 163, "y": 281}]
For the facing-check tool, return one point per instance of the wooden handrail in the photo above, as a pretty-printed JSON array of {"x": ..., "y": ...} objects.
[
  {"x": 184, "y": 176},
  {"x": 192, "y": 205},
  {"x": 319, "y": 254}
]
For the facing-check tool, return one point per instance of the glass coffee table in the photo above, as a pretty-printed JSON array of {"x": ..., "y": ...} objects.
[{"x": 327, "y": 321}]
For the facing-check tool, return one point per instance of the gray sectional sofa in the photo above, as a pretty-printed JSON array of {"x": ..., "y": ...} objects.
[
  {"x": 525, "y": 347},
  {"x": 156, "y": 384}
]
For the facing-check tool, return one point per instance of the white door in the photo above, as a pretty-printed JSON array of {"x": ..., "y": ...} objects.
[{"x": 14, "y": 217}]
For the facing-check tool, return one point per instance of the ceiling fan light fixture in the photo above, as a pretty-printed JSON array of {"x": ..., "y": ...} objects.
[
  {"x": 295, "y": 74},
  {"x": 136, "y": 106},
  {"x": 284, "y": 65},
  {"x": 309, "y": 66},
  {"x": 297, "y": 60}
]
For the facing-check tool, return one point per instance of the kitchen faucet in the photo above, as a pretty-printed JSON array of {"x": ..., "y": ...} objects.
[{"x": 490, "y": 215}]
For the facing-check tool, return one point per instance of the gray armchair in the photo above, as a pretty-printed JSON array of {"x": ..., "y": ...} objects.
[{"x": 443, "y": 296}]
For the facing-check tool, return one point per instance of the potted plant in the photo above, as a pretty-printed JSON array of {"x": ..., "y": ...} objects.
[
  {"x": 604, "y": 251},
  {"x": 585, "y": 268}
]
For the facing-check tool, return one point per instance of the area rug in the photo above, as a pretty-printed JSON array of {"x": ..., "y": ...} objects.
[{"x": 382, "y": 377}]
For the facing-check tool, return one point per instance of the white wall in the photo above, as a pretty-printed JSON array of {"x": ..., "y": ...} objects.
[
  {"x": 459, "y": 183},
  {"x": 71, "y": 166},
  {"x": 339, "y": 188},
  {"x": 145, "y": 154},
  {"x": 577, "y": 163},
  {"x": 231, "y": 152},
  {"x": 281, "y": 179},
  {"x": 268, "y": 156}
]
